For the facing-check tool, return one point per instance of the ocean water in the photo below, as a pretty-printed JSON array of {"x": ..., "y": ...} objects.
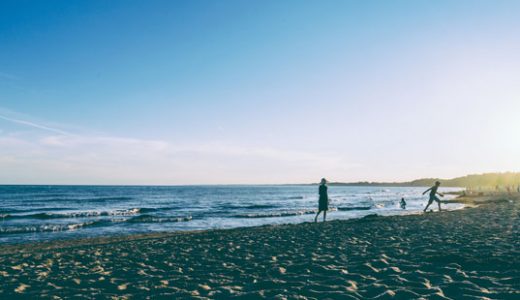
[{"x": 38, "y": 213}]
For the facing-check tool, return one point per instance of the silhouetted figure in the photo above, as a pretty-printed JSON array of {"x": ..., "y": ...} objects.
[
  {"x": 324, "y": 200},
  {"x": 403, "y": 203},
  {"x": 433, "y": 195}
]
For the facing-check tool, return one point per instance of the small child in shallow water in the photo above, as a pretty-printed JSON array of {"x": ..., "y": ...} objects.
[{"x": 402, "y": 203}]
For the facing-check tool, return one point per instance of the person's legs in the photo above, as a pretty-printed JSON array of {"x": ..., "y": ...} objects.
[
  {"x": 438, "y": 202},
  {"x": 316, "y": 218},
  {"x": 429, "y": 202},
  {"x": 324, "y": 215}
]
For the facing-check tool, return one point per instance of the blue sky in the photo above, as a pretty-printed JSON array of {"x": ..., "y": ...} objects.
[{"x": 187, "y": 92}]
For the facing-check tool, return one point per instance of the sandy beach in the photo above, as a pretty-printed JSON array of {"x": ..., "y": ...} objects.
[{"x": 472, "y": 253}]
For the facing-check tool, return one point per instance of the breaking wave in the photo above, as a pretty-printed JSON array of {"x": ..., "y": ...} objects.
[
  {"x": 82, "y": 225},
  {"x": 49, "y": 227},
  {"x": 276, "y": 214},
  {"x": 80, "y": 214},
  {"x": 155, "y": 219},
  {"x": 354, "y": 208}
]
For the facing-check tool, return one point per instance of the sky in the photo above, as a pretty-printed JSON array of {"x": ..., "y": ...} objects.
[{"x": 257, "y": 92}]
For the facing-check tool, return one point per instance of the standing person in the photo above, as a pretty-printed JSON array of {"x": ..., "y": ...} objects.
[
  {"x": 324, "y": 200},
  {"x": 403, "y": 203},
  {"x": 433, "y": 197}
]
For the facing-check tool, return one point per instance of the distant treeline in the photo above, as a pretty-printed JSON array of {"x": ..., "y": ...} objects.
[{"x": 487, "y": 180}]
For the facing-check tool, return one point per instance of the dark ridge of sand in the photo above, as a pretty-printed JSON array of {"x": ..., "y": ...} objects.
[{"x": 466, "y": 254}]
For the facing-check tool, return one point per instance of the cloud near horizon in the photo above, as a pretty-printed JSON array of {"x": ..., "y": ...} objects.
[
  {"x": 36, "y": 152},
  {"x": 49, "y": 155}
]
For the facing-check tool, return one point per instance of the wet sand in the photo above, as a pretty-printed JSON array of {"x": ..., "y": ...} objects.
[{"x": 472, "y": 253}]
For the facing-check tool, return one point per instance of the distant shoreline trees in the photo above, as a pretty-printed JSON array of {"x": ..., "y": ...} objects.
[{"x": 486, "y": 180}]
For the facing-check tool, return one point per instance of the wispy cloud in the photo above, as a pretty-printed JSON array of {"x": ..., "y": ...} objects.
[
  {"x": 35, "y": 125},
  {"x": 55, "y": 155},
  {"x": 116, "y": 160}
]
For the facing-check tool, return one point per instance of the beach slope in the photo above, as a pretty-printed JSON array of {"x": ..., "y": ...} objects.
[{"x": 472, "y": 253}]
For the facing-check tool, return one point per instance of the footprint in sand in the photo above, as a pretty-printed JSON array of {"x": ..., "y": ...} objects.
[
  {"x": 18, "y": 267},
  {"x": 369, "y": 265},
  {"x": 21, "y": 288},
  {"x": 352, "y": 286}
]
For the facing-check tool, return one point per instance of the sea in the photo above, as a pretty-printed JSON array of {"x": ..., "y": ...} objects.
[{"x": 42, "y": 213}]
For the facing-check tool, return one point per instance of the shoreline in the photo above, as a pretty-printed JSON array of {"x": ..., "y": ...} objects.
[
  {"x": 472, "y": 252},
  {"x": 66, "y": 213},
  {"x": 101, "y": 240}
]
